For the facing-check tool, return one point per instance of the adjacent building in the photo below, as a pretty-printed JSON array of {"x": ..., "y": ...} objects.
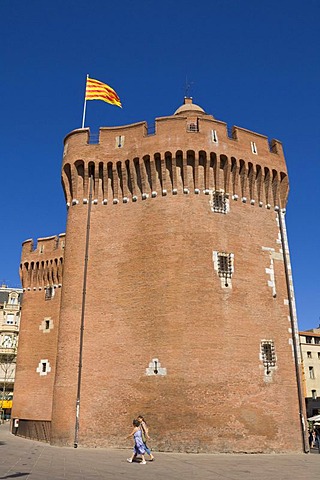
[
  {"x": 10, "y": 308},
  {"x": 310, "y": 353},
  {"x": 170, "y": 294}
]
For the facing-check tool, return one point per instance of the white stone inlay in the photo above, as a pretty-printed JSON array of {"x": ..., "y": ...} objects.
[
  {"x": 46, "y": 325},
  {"x": 155, "y": 368},
  {"x": 44, "y": 367}
]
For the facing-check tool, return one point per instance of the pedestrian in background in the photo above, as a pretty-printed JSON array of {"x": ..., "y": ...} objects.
[
  {"x": 310, "y": 438},
  {"x": 317, "y": 439}
]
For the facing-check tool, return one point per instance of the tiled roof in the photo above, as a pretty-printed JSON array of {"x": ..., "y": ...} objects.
[{"x": 310, "y": 333}]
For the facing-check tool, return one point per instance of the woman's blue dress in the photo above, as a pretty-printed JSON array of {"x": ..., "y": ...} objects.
[{"x": 139, "y": 447}]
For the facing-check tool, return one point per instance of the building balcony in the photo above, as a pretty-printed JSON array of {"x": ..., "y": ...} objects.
[
  {"x": 7, "y": 327},
  {"x": 11, "y": 307}
]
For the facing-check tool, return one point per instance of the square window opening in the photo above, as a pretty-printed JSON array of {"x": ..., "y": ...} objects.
[{"x": 219, "y": 202}]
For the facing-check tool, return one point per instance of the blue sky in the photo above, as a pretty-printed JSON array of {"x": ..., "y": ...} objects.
[{"x": 252, "y": 64}]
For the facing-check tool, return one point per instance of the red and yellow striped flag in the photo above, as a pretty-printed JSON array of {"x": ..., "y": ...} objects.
[{"x": 96, "y": 90}]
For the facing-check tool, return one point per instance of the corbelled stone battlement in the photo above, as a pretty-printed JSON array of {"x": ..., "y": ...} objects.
[
  {"x": 41, "y": 263},
  {"x": 189, "y": 152}
]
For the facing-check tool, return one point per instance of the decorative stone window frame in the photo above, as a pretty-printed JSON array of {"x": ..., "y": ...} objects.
[
  {"x": 13, "y": 298},
  {"x": 10, "y": 318},
  {"x": 44, "y": 367},
  {"x": 254, "y": 148},
  {"x": 46, "y": 325},
  {"x": 193, "y": 126},
  {"x": 219, "y": 201},
  {"x": 155, "y": 368},
  {"x": 268, "y": 355},
  {"x": 49, "y": 292},
  {"x": 214, "y": 136},
  {"x": 224, "y": 275},
  {"x": 119, "y": 141}
]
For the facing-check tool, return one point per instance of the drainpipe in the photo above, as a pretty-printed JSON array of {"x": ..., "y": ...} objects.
[
  {"x": 294, "y": 329},
  {"x": 85, "y": 270}
]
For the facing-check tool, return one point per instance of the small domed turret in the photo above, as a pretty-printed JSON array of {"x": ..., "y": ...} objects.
[{"x": 189, "y": 107}]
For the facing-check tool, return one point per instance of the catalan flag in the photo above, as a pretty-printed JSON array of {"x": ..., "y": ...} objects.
[{"x": 96, "y": 90}]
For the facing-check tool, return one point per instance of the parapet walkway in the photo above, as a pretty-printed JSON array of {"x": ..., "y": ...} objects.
[{"x": 29, "y": 460}]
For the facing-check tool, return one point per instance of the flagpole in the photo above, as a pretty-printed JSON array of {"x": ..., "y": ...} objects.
[{"x": 85, "y": 104}]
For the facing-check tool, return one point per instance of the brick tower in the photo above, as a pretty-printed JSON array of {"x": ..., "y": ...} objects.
[{"x": 176, "y": 299}]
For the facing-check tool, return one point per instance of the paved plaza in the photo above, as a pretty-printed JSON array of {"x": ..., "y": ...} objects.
[{"x": 26, "y": 459}]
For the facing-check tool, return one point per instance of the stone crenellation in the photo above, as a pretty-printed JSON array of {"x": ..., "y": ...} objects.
[
  {"x": 190, "y": 173},
  {"x": 128, "y": 164},
  {"x": 42, "y": 263}
]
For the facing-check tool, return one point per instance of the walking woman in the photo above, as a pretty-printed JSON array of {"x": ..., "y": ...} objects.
[
  {"x": 145, "y": 435},
  {"x": 139, "y": 448}
]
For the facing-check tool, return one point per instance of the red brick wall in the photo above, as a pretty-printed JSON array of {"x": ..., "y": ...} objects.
[
  {"x": 152, "y": 292},
  {"x": 40, "y": 267}
]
